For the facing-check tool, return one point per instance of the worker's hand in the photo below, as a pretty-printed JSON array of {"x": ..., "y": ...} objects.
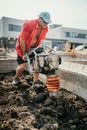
[{"x": 24, "y": 57}]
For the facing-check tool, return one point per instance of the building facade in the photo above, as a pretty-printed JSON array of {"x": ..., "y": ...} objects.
[
  {"x": 9, "y": 31},
  {"x": 59, "y": 35},
  {"x": 72, "y": 35}
]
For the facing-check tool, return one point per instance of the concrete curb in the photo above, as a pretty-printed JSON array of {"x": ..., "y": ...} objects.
[
  {"x": 73, "y": 77},
  {"x": 7, "y": 65}
]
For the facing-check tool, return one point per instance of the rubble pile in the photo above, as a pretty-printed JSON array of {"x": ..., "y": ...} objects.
[{"x": 29, "y": 107}]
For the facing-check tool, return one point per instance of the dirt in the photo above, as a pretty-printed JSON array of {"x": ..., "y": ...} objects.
[{"x": 29, "y": 107}]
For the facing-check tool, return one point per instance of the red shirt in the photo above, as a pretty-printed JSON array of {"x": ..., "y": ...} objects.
[{"x": 28, "y": 33}]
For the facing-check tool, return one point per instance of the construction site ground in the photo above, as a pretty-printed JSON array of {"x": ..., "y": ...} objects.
[{"x": 29, "y": 107}]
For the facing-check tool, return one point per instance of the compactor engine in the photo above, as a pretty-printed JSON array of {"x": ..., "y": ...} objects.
[{"x": 43, "y": 61}]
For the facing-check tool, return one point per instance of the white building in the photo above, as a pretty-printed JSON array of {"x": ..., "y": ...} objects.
[
  {"x": 72, "y": 35},
  {"x": 10, "y": 28}
]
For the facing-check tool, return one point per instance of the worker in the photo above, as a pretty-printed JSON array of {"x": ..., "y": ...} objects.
[
  {"x": 31, "y": 36},
  {"x": 73, "y": 52}
]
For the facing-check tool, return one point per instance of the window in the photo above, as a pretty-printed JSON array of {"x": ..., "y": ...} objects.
[
  {"x": 85, "y": 36},
  {"x": 67, "y": 34},
  {"x": 81, "y": 35},
  {"x": 15, "y": 28},
  {"x": 75, "y": 35}
]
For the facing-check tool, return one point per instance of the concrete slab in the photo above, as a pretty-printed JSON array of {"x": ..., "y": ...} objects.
[
  {"x": 73, "y": 77},
  {"x": 7, "y": 65}
]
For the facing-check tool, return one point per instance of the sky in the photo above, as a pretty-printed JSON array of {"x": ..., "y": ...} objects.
[{"x": 68, "y": 13}]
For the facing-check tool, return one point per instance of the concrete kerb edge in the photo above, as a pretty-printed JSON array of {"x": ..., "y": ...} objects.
[{"x": 73, "y": 82}]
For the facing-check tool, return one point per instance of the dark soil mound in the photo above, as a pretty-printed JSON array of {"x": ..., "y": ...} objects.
[{"x": 28, "y": 107}]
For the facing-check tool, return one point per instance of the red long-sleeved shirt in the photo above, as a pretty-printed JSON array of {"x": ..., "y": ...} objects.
[{"x": 28, "y": 33}]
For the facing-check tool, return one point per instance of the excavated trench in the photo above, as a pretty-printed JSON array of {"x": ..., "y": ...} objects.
[{"x": 28, "y": 107}]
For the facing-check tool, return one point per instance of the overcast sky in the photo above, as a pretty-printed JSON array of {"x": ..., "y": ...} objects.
[{"x": 69, "y": 13}]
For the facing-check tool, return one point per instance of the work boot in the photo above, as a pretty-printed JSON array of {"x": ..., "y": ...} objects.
[
  {"x": 36, "y": 83},
  {"x": 16, "y": 80}
]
